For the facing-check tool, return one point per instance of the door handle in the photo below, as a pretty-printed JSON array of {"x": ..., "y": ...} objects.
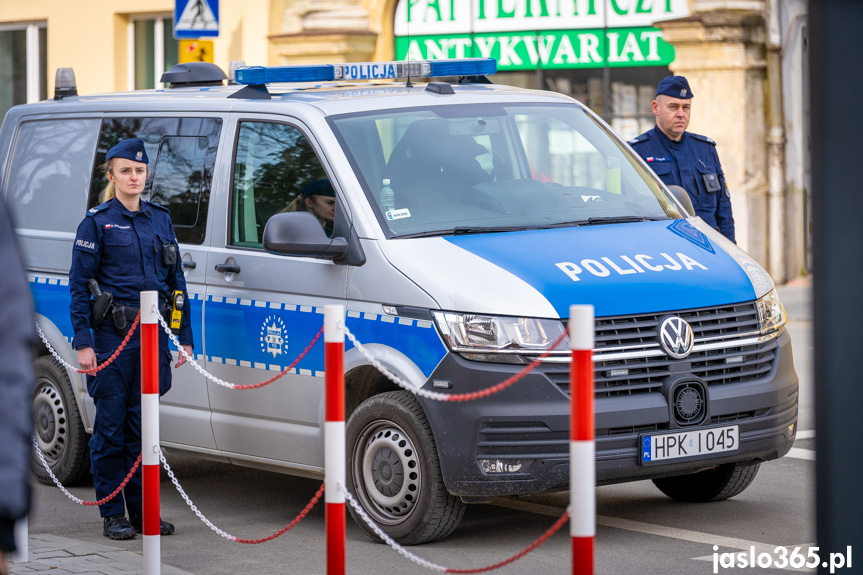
[
  {"x": 189, "y": 264},
  {"x": 228, "y": 268}
]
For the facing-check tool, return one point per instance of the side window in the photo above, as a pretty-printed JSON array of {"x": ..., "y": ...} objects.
[
  {"x": 182, "y": 154},
  {"x": 273, "y": 163},
  {"x": 49, "y": 172}
]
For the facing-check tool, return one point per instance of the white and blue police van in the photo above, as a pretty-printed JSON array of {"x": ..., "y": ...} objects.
[{"x": 469, "y": 217}]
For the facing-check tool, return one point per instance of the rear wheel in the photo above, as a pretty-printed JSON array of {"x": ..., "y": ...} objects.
[
  {"x": 58, "y": 428},
  {"x": 711, "y": 485},
  {"x": 393, "y": 471}
]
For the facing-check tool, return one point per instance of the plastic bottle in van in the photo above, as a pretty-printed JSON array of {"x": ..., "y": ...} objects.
[{"x": 387, "y": 197}]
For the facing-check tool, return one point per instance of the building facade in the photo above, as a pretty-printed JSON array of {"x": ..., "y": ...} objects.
[{"x": 746, "y": 61}]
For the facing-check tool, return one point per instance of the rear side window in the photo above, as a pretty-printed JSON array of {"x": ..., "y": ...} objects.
[
  {"x": 182, "y": 153},
  {"x": 49, "y": 173}
]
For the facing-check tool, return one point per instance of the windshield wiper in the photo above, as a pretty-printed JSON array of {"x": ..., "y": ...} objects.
[
  {"x": 487, "y": 230},
  {"x": 465, "y": 230},
  {"x": 601, "y": 220},
  {"x": 595, "y": 221}
]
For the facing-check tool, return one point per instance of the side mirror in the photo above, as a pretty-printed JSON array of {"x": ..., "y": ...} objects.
[
  {"x": 300, "y": 234},
  {"x": 682, "y": 196}
]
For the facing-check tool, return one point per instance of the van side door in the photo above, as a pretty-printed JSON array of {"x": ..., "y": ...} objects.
[{"x": 264, "y": 309}]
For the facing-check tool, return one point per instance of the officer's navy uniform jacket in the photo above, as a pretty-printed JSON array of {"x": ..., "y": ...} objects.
[
  {"x": 123, "y": 251},
  {"x": 17, "y": 335},
  {"x": 693, "y": 164}
]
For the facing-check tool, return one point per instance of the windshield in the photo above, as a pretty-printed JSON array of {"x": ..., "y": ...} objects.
[{"x": 485, "y": 168}]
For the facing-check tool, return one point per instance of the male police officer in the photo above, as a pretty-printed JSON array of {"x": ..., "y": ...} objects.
[{"x": 685, "y": 159}]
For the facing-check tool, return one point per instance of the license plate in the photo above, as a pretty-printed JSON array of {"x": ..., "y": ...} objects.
[{"x": 688, "y": 444}]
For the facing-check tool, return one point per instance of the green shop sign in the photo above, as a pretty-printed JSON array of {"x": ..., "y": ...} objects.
[{"x": 589, "y": 48}]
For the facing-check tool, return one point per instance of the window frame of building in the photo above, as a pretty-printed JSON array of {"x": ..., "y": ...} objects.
[
  {"x": 162, "y": 33},
  {"x": 36, "y": 41}
]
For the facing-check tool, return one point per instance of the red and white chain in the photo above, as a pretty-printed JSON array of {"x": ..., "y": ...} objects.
[
  {"x": 72, "y": 497},
  {"x": 223, "y": 533},
  {"x": 189, "y": 358},
  {"x": 53, "y": 352},
  {"x": 435, "y": 395},
  {"x": 51, "y": 473},
  {"x": 386, "y": 538},
  {"x": 215, "y": 379},
  {"x": 185, "y": 497}
]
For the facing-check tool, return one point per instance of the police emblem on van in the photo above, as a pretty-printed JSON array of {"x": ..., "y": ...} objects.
[
  {"x": 273, "y": 336},
  {"x": 676, "y": 337}
]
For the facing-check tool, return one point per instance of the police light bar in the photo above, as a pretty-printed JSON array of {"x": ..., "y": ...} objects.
[{"x": 258, "y": 75}]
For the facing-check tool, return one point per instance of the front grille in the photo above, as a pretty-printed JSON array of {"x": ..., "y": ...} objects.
[
  {"x": 638, "y": 335},
  {"x": 632, "y": 330}
]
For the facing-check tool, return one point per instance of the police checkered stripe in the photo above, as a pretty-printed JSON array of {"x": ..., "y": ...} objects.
[
  {"x": 406, "y": 321},
  {"x": 48, "y": 280},
  {"x": 278, "y": 306}
]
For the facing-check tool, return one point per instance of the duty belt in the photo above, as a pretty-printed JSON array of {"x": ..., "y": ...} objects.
[{"x": 124, "y": 316}]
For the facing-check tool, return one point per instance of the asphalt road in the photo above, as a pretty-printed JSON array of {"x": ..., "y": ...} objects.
[{"x": 639, "y": 531}]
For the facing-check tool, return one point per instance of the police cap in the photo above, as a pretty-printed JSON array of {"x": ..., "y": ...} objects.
[
  {"x": 674, "y": 86},
  {"x": 131, "y": 149},
  {"x": 321, "y": 187}
]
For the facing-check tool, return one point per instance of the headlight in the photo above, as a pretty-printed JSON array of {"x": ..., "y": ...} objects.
[
  {"x": 771, "y": 314},
  {"x": 497, "y": 338}
]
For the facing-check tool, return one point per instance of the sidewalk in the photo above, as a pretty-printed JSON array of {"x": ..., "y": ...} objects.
[{"x": 60, "y": 555}]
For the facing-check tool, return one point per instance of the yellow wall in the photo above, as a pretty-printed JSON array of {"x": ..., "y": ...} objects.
[{"x": 90, "y": 35}]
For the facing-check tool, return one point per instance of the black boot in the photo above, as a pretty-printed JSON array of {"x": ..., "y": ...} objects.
[
  {"x": 137, "y": 521},
  {"x": 117, "y": 527}
]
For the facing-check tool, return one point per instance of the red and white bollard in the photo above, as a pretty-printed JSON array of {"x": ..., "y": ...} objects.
[
  {"x": 582, "y": 449},
  {"x": 334, "y": 436},
  {"x": 150, "y": 430}
]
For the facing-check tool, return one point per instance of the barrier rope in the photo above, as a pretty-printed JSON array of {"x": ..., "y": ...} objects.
[
  {"x": 230, "y": 385},
  {"x": 72, "y": 497},
  {"x": 435, "y": 566},
  {"x": 99, "y": 367},
  {"x": 223, "y": 533},
  {"x": 438, "y": 396}
]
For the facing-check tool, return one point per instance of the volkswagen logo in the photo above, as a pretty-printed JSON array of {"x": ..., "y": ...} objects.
[{"x": 675, "y": 337}]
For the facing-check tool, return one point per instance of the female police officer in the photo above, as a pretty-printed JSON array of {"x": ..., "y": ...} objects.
[{"x": 127, "y": 245}]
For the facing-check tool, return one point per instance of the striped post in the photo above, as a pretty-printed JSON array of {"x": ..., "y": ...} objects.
[
  {"x": 582, "y": 449},
  {"x": 149, "y": 326},
  {"x": 334, "y": 436}
]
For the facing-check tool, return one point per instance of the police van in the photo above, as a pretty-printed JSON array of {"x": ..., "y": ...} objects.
[{"x": 468, "y": 218}]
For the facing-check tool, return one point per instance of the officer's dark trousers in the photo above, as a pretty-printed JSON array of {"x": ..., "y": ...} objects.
[{"x": 116, "y": 441}]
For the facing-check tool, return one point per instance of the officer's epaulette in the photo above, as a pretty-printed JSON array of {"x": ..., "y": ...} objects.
[
  {"x": 157, "y": 206},
  {"x": 96, "y": 209},
  {"x": 641, "y": 138},
  {"x": 702, "y": 138}
]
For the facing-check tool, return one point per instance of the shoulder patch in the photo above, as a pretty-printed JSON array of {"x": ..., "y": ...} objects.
[
  {"x": 97, "y": 209},
  {"x": 702, "y": 138},
  {"x": 641, "y": 138}
]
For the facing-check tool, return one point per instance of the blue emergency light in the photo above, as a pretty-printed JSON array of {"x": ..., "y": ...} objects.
[{"x": 259, "y": 75}]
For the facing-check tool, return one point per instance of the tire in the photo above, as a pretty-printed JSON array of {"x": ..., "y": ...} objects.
[
  {"x": 394, "y": 472},
  {"x": 58, "y": 428},
  {"x": 715, "y": 484}
]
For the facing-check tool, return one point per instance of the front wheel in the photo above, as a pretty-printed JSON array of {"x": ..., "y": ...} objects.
[
  {"x": 394, "y": 472},
  {"x": 58, "y": 427},
  {"x": 714, "y": 484}
]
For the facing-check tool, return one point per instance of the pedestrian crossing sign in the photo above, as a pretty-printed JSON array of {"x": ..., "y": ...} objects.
[{"x": 196, "y": 18}]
